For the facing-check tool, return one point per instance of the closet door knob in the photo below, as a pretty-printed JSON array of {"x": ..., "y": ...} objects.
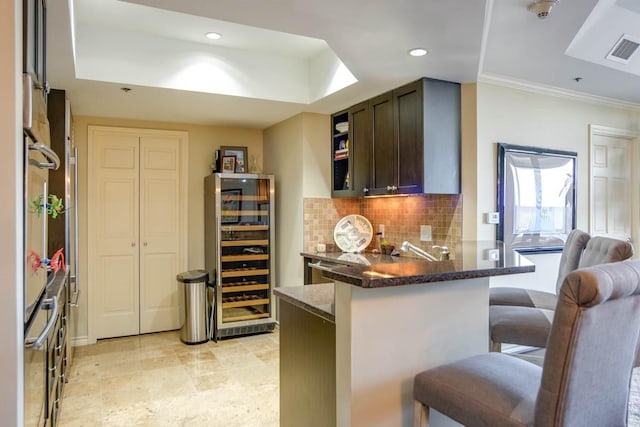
[{"x": 133, "y": 244}]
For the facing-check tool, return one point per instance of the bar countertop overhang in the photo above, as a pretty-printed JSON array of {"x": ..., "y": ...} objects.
[{"x": 469, "y": 259}]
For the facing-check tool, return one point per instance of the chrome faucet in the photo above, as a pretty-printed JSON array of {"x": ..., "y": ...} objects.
[
  {"x": 406, "y": 246},
  {"x": 444, "y": 252}
]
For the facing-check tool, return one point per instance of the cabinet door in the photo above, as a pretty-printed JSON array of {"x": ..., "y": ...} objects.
[
  {"x": 383, "y": 146},
  {"x": 360, "y": 137},
  {"x": 407, "y": 102}
]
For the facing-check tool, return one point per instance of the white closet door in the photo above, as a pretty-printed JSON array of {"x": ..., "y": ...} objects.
[
  {"x": 114, "y": 233},
  {"x": 159, "y": 232}
]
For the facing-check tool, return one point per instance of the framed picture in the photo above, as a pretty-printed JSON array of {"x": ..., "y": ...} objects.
[
  {"x": 536, "y": 197},
  {"x": 228, "y": 164},
  {"x": 241, "y": 157},
  {"x": 230, "y": 206}
]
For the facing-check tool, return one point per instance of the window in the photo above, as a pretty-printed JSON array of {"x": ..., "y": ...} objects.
[{"x": 536, "y": 197}]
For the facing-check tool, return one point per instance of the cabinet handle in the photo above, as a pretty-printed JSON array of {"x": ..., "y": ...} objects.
[
  {"x": 37, "y": 343},
  {"x": 133, "y": 244},
  {"x": 365, "y": 190},
  {"x": 391, "y": 188},
  {"x": 145, "y": 244}
]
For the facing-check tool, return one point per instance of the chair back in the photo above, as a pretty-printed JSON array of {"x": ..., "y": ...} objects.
[
  {"x": 602, "y": 250},
  {"x": 571, "y": 253},
  {"x": 592, "y": 347}
]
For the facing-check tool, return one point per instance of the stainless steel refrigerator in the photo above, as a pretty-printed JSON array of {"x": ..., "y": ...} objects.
[{"x": 40, "y": 310}]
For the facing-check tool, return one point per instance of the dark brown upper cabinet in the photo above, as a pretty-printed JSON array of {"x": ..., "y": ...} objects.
[
  {"x": 410, "y": 139},
  {"x": 422, "y": 154}
]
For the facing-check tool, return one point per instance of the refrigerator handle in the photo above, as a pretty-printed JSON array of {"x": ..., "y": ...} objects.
[
  {"x": 38, "y": 342},
  {"x": 74, "y": 278},
  {"x": 53, "y": 161}
]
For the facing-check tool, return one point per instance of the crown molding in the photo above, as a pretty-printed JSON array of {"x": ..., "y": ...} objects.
[{"x": 542, "y": 89}]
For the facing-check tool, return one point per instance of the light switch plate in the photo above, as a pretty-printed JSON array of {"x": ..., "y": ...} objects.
[{"x": 425, "y": 233}]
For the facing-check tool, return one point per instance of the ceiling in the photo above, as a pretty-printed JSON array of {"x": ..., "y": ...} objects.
[{"x": 278, "y": 58}]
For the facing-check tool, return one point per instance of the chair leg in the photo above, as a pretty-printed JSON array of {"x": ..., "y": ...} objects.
[
  {"x": 496, "y": 347},
  {"x": 420, "y": 414}
]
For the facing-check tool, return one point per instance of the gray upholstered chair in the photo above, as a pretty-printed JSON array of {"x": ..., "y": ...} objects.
[
  {"x": 586, "y": 373},
  {"x": 571, "y": 253},
  {"x": 530, "y": 326}
]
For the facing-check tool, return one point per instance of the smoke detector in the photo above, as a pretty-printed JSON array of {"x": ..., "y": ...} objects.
[{"x": 542, "y": 7}]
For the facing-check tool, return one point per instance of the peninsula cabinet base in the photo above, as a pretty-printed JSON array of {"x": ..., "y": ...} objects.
[
  {"x": 307, "y": 369},
  {"x": 385, "y": 336}
]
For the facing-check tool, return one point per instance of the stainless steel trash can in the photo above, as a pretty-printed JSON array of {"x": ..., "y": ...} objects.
[{"x": 194, "y": 328}]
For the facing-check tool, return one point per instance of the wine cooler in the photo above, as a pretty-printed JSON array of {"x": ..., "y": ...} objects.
[{"x": 239, "y": 242}]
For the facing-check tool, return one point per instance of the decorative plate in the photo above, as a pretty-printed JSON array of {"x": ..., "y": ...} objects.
[{"x": 353, "y": 233}]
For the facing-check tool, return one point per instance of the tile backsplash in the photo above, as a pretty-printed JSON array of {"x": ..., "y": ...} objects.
[{"x": 401, "y": 216}]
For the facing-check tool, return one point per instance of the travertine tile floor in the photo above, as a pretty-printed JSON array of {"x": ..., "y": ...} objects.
[{"x": 155, "y": 380}]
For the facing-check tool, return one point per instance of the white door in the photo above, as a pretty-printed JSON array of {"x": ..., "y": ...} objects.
[
  {"x": 159, "y": 233},
  {"x": 136, "y": 230},
  {"x": 114, "y": 234},
  {"x": 611, "y": 184}
]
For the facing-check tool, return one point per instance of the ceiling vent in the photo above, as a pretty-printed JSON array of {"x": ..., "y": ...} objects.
[{"x": 624, "y": 49}]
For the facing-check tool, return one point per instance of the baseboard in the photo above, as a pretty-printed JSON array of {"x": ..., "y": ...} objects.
[{"x": 80, "y": 341}]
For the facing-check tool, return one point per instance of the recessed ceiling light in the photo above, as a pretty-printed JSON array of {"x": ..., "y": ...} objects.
[
  {"x": 418, "y": 52},
  {"x": 213, "y": 36}
]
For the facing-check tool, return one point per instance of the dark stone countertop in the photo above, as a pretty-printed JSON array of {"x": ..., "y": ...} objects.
[
  {"x": 316, "y": 299},
  {"x": 468, "y": 260},
  {"x": 363, "y": 258}
]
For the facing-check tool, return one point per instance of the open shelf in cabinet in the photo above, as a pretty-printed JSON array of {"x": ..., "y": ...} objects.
[
  {"x": 244, "y": 272},
  {"x": 340, "y": 152},
  {"x": 238, "y": 314},
  {"x": 244, "y": 228},
  {"x": 255, "y": 242},
  {"x": 245, "y": 213},
  {"x": 235, "y": 258},
  {"x": 243, "y": 287},
  {"x": 243, "y": 301}
]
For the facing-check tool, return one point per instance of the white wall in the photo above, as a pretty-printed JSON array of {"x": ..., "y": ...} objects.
[
  {"x": 282, "y": 156},
  {"x": 297, "y": 152},
  {"x": 526, "y": 118},
  {"x": 316, "y": 155},
  {"x": 11, "y": 221}
]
